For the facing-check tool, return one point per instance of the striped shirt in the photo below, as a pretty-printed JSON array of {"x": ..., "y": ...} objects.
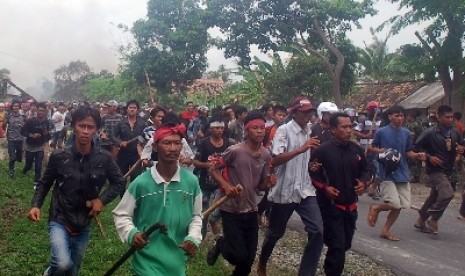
[{"x": 294, "y": 183}]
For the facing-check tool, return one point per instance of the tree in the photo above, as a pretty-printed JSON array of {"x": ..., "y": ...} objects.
[
  {"x": 171, "y": 45},
  {"x": 317, "y": 26},
  {"x": 443, "y": 38},
  {"x": 70, "y": 80},
  {"x": 4, "y": 73},
  {"x": 106, "y": 86},
  {"x": 375, "y": 59},
  {"x": 222, "y": 73}
]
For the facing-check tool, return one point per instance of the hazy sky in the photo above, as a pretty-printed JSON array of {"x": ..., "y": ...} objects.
[{"x": 37, "y": 36}]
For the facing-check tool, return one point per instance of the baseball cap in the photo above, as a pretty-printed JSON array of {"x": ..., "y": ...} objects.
[
  {"x": 301, "y": 103},
  {"x": 203, "y": 108},
  {"x": 112, "y": 103}
]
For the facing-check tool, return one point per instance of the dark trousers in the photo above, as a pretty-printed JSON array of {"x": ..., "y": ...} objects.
[
  {"x": 15, "y": 153},
  {"x": 35, "y": 157},
  {"x": 310, "y": 215},
  {"x": 264, "y": 206},
  {"x": 240, "y": 241},
  {"x": 338, "y": 232},
  {"x": 441, "y": 194},
  {"x": 462, "y": 206}
]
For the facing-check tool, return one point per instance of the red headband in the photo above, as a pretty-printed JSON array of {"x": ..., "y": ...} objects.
[
  {"x": 255, "y": 122},
  {"x": 166, "y": 131}
]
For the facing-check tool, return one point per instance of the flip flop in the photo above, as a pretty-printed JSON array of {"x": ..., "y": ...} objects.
[
  {"x": 372, "y": 216},
  {"x": 389, "y": 237},
  {"x": 422, "y": 228},
  {"x": 462, "y": 218}
]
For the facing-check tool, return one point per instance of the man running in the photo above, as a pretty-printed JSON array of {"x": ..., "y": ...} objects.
[
  {"x": 167, "y": 194},
  {"x": 77, "y": 174},
  {"x": 294, "y": 190}
]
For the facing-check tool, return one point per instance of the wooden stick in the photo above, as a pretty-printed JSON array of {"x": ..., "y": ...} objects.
[
  {"x": 131, "y": 250},
  {"x": 97, "y": 220},
  {"x": 149, "y": 86},
  {"x": 132, "y": 169},
  {"x": 219, "y": 202}
]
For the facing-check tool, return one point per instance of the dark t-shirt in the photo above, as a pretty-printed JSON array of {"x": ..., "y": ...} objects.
[
  {"x": 322, "y": 134},
  {"x": 205, "y": 150}
]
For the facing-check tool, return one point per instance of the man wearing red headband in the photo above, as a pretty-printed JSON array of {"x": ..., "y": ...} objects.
[
  {"x": 168, "y": 194},
  {"x": 248, "y": 164}
]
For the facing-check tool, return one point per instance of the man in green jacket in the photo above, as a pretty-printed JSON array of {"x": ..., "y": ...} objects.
[{"x": 167, "y": 194}]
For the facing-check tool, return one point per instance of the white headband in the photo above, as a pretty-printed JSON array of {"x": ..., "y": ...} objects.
[{"x": 217, "y": 124}]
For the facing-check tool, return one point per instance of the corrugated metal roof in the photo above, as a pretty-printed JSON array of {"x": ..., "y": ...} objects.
[{"x": 424, "y": 97}]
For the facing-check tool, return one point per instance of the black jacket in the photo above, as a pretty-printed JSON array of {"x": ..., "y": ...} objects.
[
  {"x": 124, "y": 132},
  {"x": 34, "y": 125},
  {"x": 433, "y": 142},
  {"x": 341, "y": 166},
  {"x": 76, "y": 179}
]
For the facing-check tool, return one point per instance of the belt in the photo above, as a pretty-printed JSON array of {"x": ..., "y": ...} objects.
[{"x": 347, "y": 207}]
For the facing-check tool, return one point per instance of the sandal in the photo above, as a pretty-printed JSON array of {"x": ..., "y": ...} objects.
[
  {"x": 422, "y": 228},
  {"x": 372, "y": 216},
  {"x": 389, "y": 237}
]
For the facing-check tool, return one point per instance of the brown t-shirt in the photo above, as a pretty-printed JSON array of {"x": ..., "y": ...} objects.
[{"x": 248, "y": 171}]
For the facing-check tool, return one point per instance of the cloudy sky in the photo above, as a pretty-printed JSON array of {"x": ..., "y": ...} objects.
[{"x": 37, "y": 36}]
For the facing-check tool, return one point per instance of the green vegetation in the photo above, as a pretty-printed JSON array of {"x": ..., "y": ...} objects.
[{"x": 25, "y": 245}]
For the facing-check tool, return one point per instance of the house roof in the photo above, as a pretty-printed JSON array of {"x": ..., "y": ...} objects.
[
  {"x": 424, "y": 97},
  {"x": 387, "y": 94}
]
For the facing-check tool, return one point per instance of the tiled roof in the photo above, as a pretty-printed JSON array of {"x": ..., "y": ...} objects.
[{"x": 388, "y": 94}]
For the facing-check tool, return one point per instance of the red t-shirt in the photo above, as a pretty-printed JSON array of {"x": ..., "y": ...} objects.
[{"x": 459, "y": 126}]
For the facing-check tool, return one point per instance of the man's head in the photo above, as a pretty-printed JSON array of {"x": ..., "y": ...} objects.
[
  {"x": 241, "y": 112},
  {"x": 61, "y": 107},
  {"x": 302, "y": 110},
  {"x": 216, "y": 126},
  {"x": 457, "y": 116},
  {"x": 132, "y": 108},
  {"x": 85, "y": 122},
  {"x": 2, "y": 107},
  {"x": 112, "y": 106},
  {"x": 203, "y": 110},
  {"x": 41, "y": 110},
  {"x": 156, "y": 115},
  {"x": 279, "y": 114},
  {"x": 167, "y": 138},
  {"x": 445, "y": 116},
  {"x": 267, "y": 110},
  {"x": 190, "y": 107},
  {"x": 396, "y": 115},
  {"x": 341, "y": 127},
  {"x": 254, "y": 125},
  {"x": 15, "y": 106}
]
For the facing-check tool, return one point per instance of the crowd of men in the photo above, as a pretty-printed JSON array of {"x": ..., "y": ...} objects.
[{"x": 314, "y": 161}]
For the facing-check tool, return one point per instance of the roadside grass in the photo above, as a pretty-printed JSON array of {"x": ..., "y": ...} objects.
[{"x": 25, "y": 247}]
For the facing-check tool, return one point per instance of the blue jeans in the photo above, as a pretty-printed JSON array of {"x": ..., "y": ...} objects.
[
  {"x": 35, "y": 157},
  {"x": 67, "y": 250},
  {"x": 310, "y": 215}
]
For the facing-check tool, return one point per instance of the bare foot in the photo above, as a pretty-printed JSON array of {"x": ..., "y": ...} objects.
[
  {"x": 372, "y": 215},
  {"x": 389, "y": 236},
  {"x": 261, "y": 269}
]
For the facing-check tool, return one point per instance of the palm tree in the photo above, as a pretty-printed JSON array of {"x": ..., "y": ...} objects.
[{"x": 377, "y": 63}]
